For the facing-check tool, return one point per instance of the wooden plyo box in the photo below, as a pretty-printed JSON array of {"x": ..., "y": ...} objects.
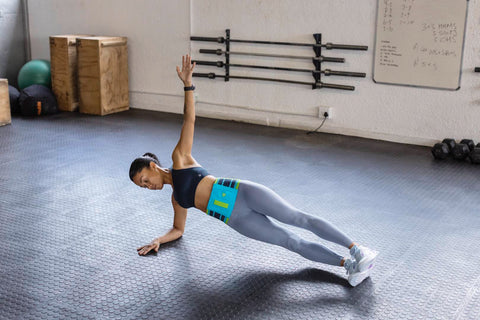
[
  {"x": 63, "y": 59},
  {"x": 5, "y": 117},
  {"x": 102, "y": 74}
]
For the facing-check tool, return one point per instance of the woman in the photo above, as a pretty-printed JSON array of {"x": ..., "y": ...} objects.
[{"x": 243, "y": 205}]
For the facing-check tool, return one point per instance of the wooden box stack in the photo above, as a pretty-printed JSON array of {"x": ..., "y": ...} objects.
[
  {"x": 5, "y": 117},
  {"x": 63, "y": 59},
  {"x": 102, "y": 74}
]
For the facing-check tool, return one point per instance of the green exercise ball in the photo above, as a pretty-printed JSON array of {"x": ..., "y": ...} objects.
[{"x": 35, "y": 72}]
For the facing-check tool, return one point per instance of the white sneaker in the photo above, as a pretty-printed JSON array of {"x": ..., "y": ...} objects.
[
  {"x": 364, "y": 257},
  {"x": 355, "y": 277},
  {"x": 350, "y": 265}
]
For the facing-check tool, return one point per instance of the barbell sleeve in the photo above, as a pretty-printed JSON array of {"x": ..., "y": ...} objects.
[
  {"x": 210, "y": 39},
  {"x": 210, "y": 75},
  {"x": 330, "y": 45},
  {"x": 329, "y": 59},
  {"x": 329, "y": 72},
  {"x": 219, "y": 64},
  {"x": 218, "y": 52},
  {"x": 319, "y": 85}
]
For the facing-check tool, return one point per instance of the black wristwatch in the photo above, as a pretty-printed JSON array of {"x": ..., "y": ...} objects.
[{"x": 191, "y": 88}]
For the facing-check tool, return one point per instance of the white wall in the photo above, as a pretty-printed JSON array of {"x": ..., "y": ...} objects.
[{"x": 159, "y": 32}]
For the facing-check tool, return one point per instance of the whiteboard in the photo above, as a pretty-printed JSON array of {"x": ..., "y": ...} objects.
[{"x": 420, "y": 42}]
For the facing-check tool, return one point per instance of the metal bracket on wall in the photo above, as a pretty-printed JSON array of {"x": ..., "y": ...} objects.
[
  {"x": 227, "y": 54},
  {"x": 318, "y": 53}
]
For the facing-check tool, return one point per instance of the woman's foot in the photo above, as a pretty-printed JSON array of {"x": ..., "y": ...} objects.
[
  {"x": 355, "y": 277},
  {"x": 364, "y": 257}
]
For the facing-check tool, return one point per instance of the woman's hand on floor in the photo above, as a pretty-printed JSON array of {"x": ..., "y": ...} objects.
[
  {"x": 154, "y": 245},
  {"x": 187, "y": 69}
]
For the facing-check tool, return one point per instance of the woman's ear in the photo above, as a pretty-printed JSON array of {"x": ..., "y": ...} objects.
[{"x": 152, "y": 165}]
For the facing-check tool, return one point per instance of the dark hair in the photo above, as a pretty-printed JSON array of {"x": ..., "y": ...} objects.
[{"x": 144, "y": 161}]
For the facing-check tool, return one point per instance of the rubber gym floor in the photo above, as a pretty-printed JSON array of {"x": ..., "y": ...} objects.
[{"x": 71, "y": 221}]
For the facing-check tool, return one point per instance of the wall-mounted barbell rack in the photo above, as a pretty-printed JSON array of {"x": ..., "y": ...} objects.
[{"x": 317, "y": 61}]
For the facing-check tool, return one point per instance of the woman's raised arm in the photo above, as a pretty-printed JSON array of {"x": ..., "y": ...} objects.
[{"x": 184, "y": 145}]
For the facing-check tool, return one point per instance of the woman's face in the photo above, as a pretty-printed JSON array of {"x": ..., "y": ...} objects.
[{"x": 150, "y": 177}]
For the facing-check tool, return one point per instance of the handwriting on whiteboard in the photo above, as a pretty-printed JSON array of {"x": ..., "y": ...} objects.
[
  {"x": 388, "y": 16},
  {"x": 389, "y": 54},
  {"x": 441, "y": 32},
  {"x": 443, "y": 35},
  {"x": 406, "y": 16}
]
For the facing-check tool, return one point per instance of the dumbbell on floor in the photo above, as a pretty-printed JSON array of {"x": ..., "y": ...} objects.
[
  {"x": 464, "y": 150},
  {"x": 460, "y": 151},
  {"x": 475, "y": 154},
  {"x": 470, "y": 144},
  {"x": 443, "y": 149},
  {"x": 450, "y": 143}
]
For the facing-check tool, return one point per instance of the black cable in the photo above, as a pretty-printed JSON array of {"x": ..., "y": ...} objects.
[{"x": 310, "y": 132}]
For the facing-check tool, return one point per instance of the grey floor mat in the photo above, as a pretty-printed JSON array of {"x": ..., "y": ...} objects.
[{"x": 71, "y": 220}]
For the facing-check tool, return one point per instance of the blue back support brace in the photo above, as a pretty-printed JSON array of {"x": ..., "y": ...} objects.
[{"x": 222, "y": 199}]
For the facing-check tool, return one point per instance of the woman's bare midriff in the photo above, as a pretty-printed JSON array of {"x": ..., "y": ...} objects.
[{"x": 203, "y": 191}]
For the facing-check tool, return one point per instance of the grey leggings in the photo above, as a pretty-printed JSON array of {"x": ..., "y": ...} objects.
[{"x": 250, "y": 216}]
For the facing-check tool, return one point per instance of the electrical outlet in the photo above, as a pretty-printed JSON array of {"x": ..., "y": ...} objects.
[{"x": 323, "y": 109}]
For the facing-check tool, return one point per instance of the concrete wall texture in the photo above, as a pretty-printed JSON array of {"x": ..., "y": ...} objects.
[
  {"x": 159, "y": 32},
  {"x": 12, "y": 40}
]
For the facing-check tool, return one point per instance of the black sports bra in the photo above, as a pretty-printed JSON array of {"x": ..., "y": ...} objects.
[{"x": 185, "y": 182}]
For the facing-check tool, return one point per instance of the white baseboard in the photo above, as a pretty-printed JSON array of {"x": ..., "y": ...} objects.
[{"x": 173, "y": 103}]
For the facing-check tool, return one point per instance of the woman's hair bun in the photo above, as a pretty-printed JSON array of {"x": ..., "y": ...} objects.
[{"x": 152, "y": 156}]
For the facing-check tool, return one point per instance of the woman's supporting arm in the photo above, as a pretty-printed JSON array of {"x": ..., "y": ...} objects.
[
  {"x": 173, "y": 234},
  {"x": 179, "y": 219}
]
